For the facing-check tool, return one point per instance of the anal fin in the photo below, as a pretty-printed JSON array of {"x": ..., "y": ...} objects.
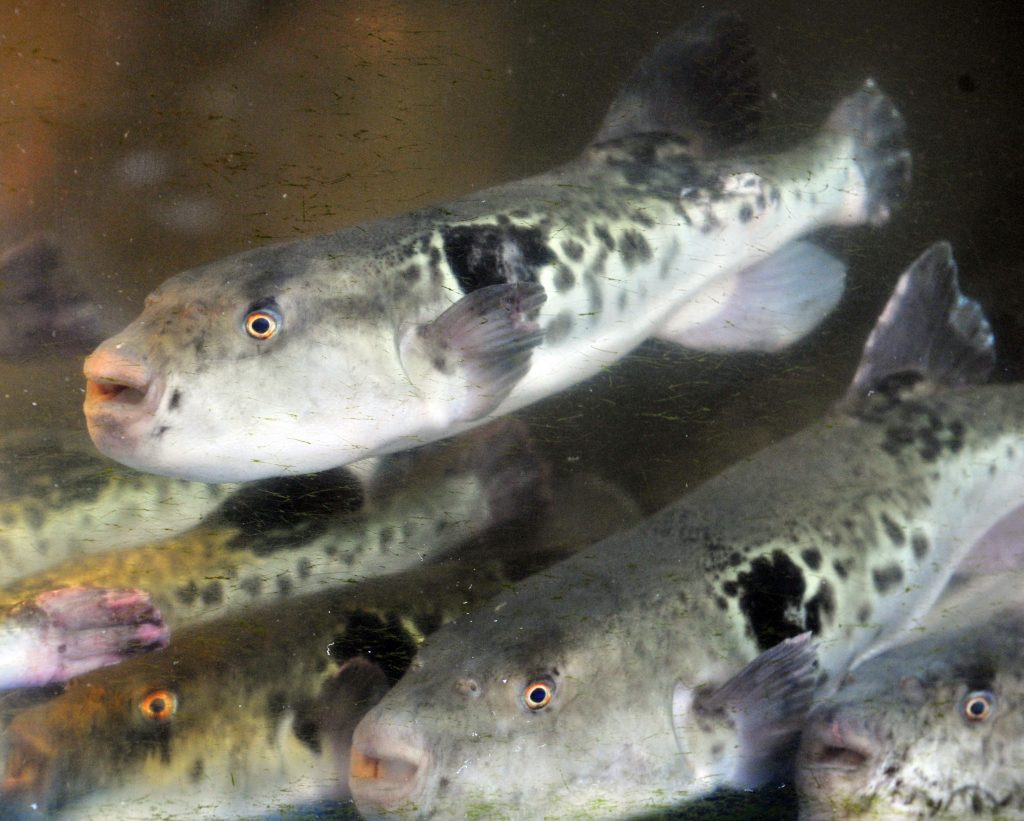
[{"x": 765, "y": 307}]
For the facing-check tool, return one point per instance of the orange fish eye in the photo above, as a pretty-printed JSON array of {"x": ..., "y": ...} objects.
[
  {"x": 262, "y": 324},
  {"x": 158, "y": 705},
  {"x": 978, "y": 706},
  {"x": 538, "y": 693}
]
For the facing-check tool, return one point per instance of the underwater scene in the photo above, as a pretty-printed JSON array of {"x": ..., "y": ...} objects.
[{"x": 511, "y": 410}]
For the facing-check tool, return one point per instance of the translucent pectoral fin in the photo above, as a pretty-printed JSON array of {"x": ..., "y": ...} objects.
[
  {"x": 765, "y": 307},
  {"x": 467, "y": 361}
]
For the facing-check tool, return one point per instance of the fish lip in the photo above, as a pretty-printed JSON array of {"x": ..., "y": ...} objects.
[
  {"x": 28, "y": 771},
  {"x": 388, "y": 768},
  {"x": 121, "y": 396},
  {"x": 835, "y": 743}
]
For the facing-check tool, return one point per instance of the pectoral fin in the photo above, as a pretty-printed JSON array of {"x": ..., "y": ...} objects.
[
  {"x": 765, "y": 703},
  {"x": 764, "y": 307},
  {"x": 467, "y": 361}
]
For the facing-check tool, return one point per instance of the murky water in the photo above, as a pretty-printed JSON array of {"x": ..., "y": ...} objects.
[{"x": 145, "y": 142}]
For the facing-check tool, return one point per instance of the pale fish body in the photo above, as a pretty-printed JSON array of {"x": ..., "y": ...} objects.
[
  {"x": 932, "y": 728},
  {"x": 325, "y": 351},
  {"x": 264, "y": 704},
  {"x": 287, "y": 537},
  {"x": 608, "y": 684},
  {"x": 60, "y": 501}
]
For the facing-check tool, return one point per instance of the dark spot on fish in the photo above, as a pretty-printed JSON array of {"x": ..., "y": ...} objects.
[
  {"x": 160, "y": 431},
  {"x": 771, "y": 598},
  {"x": 559, "y": 327},
  {"x": 304, "y": 568},
  {"x": 623, "y": 300},
  {"x": 820, "y": 608},
  {"x": 175, "y": 400},
  {"x": 760, "y": 202},
  {"x": 735, "y": 559},
  {"x": 886, "y": 578},
  {"x": 730, "y": 588},
  {"x": 722, "y": 603},
  {"x": 897, "y": 438},
  {"x": 572, "y": 249},
  {"x": 195, "y": 773},
  {"x": 187, "y": 594},
  {"x": 643, "y": 219},
  {"x": 331, "y": 549},
  {"x": 746, "y": 212},
  {"x": 503, "y": 220},
  {"x": 634, "y": 248},
  {"x": 775, "y": 196},
  {"x": 482, "y": 255},
  {"x": 213, "y": 593},
  {"x": 812, "y": 558},
  {"x": 251, "y": 585},
  {"x": 919, "y": 545},
  {"x": 564, "y": 279},
  {"x": 306, "y": 730},
  {"x": 381, "y": 639},
  {"x": 605, "y": 236},
  {"x": 893, "y": 531},
  {"x": 277, "y": 703},
  {"x": 863, "y": 614},
  {"x": 34, "y": 516},
  {"x": 436, "y": 275},
  {"x": 284, "y": 584},
  {"x": 412, "y": 273}
]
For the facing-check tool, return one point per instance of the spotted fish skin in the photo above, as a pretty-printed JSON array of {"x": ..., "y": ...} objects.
[
  {"x": 386, "y": 335},
  {"x": 931, "y": 728},
  {"x": 266, "y": 700},
  {"x": 848, "y": 530}
]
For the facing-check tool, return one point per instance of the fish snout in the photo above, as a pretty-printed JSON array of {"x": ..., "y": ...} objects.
[
  {"x": 836, "y": 742},
  {"x": 388, "y": 768},
  {"x": 120, "y": 391},
  {"x": 28, "y": 775}
]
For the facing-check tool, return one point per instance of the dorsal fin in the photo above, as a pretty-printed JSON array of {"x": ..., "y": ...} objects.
[
  {"x": 700, "y": 82},
  {"x": 929, "y": 331}
]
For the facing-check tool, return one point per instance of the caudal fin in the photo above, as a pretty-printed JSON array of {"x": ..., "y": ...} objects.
[{"x": 876, "y": 128}]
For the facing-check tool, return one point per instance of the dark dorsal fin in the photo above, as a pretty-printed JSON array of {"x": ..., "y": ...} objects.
[
  {"x": 700, "y": 82},
  {"x": 929, "y": 331}
]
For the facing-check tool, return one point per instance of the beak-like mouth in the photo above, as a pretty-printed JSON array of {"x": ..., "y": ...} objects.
[
  {"x": 120, "y": 392},
  {"x": 387, "y": 770},
  {"x": 838, "y": 744}
]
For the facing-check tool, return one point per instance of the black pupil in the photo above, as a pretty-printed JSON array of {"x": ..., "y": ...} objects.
[
  {"x": 977, "y": 707},
  {"x": 537, "y": 695},
  {"x": 260, "y": 325},
  {"x": 157, "y": 706}
]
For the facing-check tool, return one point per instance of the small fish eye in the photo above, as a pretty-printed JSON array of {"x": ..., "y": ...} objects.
[
  {"x": 978, "y": 706},
  {"x": 158, "y": 706},
  {"x": 538, "y": 693},
  {"x": 262, "y": 324}
]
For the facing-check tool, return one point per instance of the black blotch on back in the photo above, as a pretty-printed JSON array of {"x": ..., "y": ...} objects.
[
  {"x": 483, "y": 255},
  {"x": 771, "y": 598},
  {"x": 812, "y": 558},
  {"x": 634, "y": 248},
  {"x": 821, "y": 606},
  {"x": 893, "y": 531},
  {"x": 282, "y": 513},
  {"x": 175, "y": 400},
  {"x": 382, "y": 639},
  {"x": 919, "y": 545}
]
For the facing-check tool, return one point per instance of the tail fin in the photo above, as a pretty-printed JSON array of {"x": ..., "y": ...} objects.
[
  {"x": 871, "y": 120},
  {"x": 928, "y": 331},
  {"x": 700, "y": 83}
]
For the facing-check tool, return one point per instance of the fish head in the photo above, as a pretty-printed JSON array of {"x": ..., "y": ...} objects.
[
  {"x": 263, "y": 364},
  {"x": 57, "y": 749},
  {"x": 551, "y": 723},
  {"x": 922, "y": 731}
]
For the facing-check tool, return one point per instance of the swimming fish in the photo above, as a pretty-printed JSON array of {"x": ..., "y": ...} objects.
[
  {"x": 932, "y": 728},
  {"x": 60, "y": 501},
  {"x": 612, "y": 683},
  {"x": 285, "y": 537},
  {"x": 252, "y": 714},
  {"x": 325, "y": 351}
]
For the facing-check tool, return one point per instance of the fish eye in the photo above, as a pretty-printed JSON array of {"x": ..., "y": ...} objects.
[
  {"x": 158, "y": 706},
  {"x": 538, "y": 693},
  {"x": 978, "y": 706},
  {"x": 262, "y": 323}
]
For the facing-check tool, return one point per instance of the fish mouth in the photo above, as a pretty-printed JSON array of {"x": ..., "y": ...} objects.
[
  {"x": 387, "y": 769},
  {"x": 121, "y": 396},
  {"x": 27, "y": 775},
  {"x": 837, "y": 744}
]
